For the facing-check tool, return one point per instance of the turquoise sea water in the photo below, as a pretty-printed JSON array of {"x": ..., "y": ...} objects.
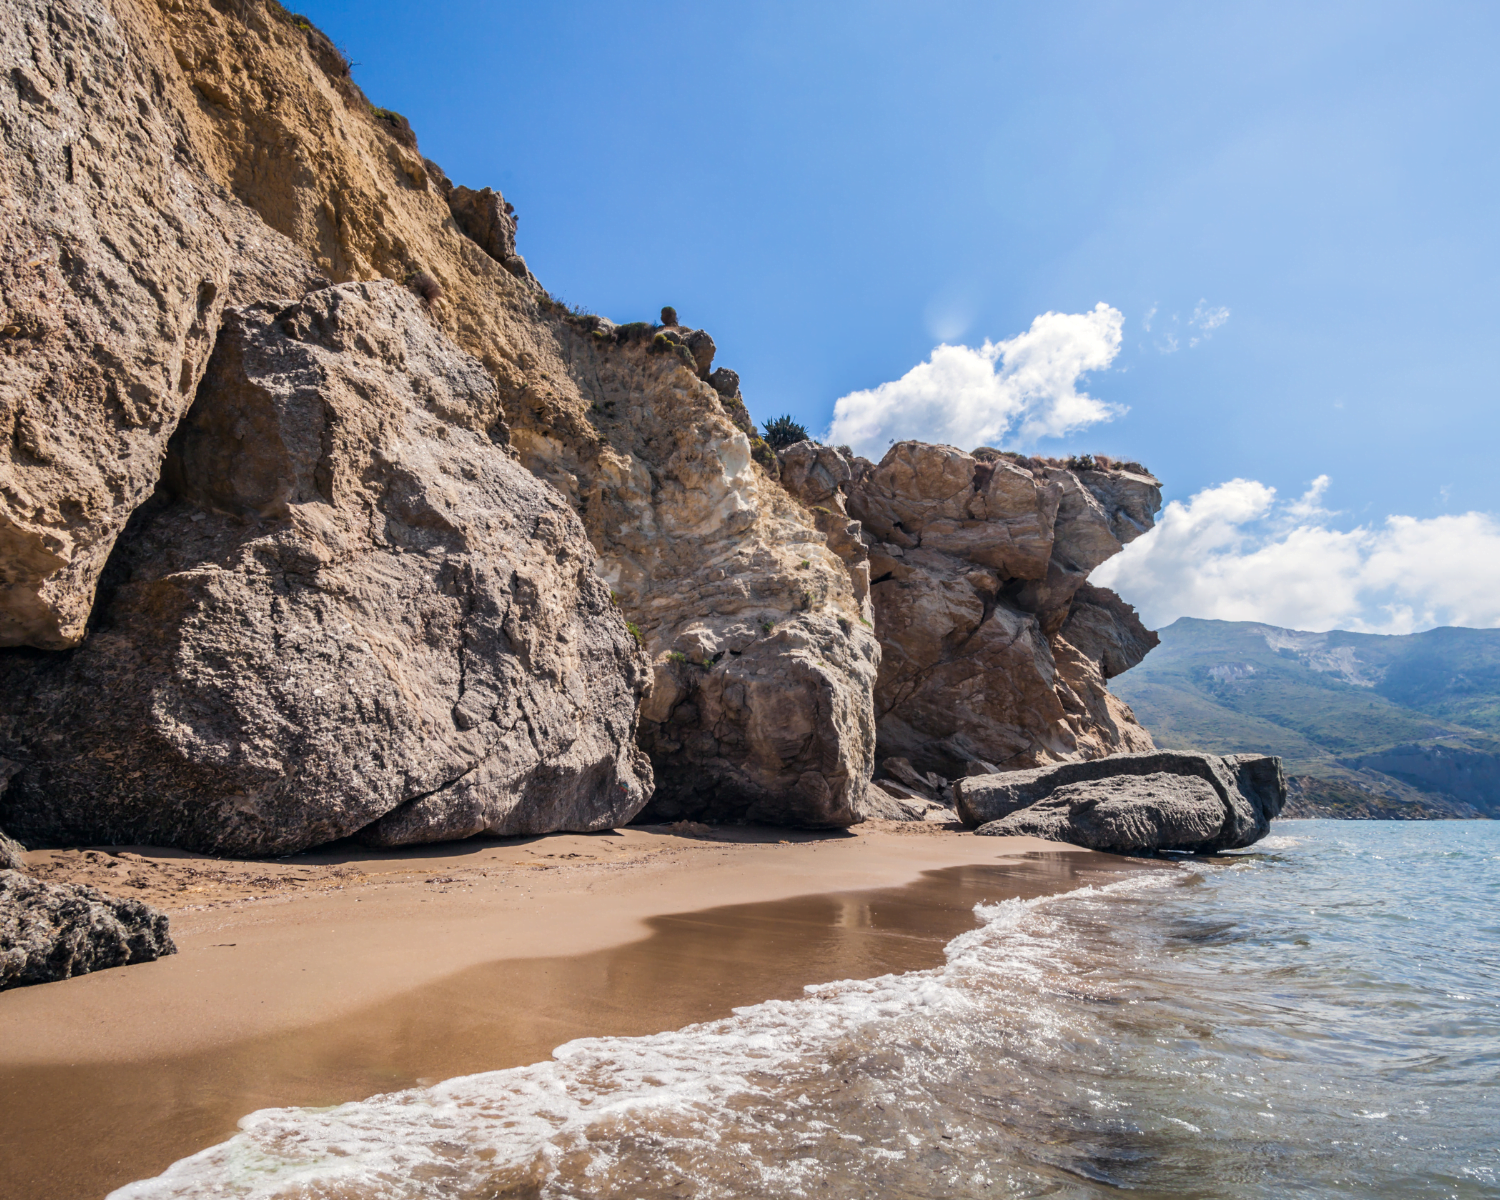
[{"x": 1316, "y": 1017}]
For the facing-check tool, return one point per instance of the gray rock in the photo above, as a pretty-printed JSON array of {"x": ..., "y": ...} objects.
[
  {"x": 1163, "y": 800},
  {"x": 11, "y": 852},
  {"x": 51, "y": 931},
  {"x": 777, "y": 731},
  {"x": 349, "y": 612},
  {"x": 701, "y": 345},
  {"x": 931, "y": 787},
  {"x": 886, "y": 800},
  {"x": 725, "y": 382}
]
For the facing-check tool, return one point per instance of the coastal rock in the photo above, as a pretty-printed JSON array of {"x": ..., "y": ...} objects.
[
  {"x": 696, "y": 540},
  {"x": 1126, "y": 803},
  {"x": 119, "y": 252},
  {"x": 1107, "y": 630},
  {"x": 51, "y": 931},
  {"x": 486, "y": 217},
  {"x": 347, "y": 611},
  {"x": 976, "y": 564},
  {"x": 763, "y": 664},
  {"x": 890, "y": 801}
]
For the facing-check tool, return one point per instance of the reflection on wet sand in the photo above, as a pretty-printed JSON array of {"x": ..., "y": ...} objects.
[{"x": 71, "y": 1132}]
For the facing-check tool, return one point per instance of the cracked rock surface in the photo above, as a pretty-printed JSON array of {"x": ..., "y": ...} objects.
[
  {"x": 994, "y": 649},
  {"x": 347, "y": 611},
  {"x": 118, "y": 253},
  {"x": 1133, "y": 803}
]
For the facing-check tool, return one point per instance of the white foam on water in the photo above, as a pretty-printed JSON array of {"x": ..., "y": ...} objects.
[{"x": 448, "y": 1139}]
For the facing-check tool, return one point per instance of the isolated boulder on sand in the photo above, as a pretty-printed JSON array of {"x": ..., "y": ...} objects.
[
  {"x": 1133, "y": 803},
  {"x": 51, "y": 931}
]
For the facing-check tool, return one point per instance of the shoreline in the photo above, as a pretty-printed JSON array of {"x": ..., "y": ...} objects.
[{"x": 329, "y": 977}]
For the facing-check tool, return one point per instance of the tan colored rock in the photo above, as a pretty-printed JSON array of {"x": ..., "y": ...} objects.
[
  {"x": 118, "y": 254},
  {"x": 349, "y": 611},
  {"x": 693, "y": 534},
  {"x": 764, "y": 667},
  {"x": 975, "y": 564}
]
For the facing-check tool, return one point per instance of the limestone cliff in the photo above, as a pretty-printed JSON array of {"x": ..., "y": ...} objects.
[
  {"x": 995, "y": 650},
  {"x": 319, "y": 516}
]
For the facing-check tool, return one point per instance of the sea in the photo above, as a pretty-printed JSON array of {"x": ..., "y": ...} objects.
[{"x": 1318, "y": 1016}]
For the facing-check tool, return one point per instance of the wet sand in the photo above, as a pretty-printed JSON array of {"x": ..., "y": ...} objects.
[{"x": 340, "y": 975}]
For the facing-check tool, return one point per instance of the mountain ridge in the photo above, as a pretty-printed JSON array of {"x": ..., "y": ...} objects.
[{"x": 1399, "y": 725}]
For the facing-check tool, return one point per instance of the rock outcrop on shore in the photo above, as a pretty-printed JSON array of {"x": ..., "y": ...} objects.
[
  {"x": 346, "y": 611},
  {"x": 52, "y": 931},
  {"x": 994, "y": 649},
  {"x": 321, "y": 517},
  {"x": 1133, "y": 803}
]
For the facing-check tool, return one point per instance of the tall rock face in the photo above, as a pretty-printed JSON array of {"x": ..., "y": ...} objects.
[
  {"x": 699, "y": 543},
  {"x": 995, "y": 650},
  {"x": 117, "y": 255},
  {"x": 346, "y": 611},
  {"x": 764, "y": 661}
]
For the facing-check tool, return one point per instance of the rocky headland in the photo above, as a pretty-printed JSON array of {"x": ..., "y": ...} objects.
[{"x": 321, "y": 519}]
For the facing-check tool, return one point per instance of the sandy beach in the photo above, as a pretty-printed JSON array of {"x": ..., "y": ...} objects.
[{"x": 332, "y": 976}]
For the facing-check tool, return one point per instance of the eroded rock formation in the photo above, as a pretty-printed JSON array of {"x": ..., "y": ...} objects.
[
  {"x": 347, "y": 611},
  {"x": 340, "y": 606},
  {"x": 117, "y": 254},
  {"x": 51, "y": 931},
  {"x": 994, "y": 649},
  {"x": 1133, "y": 803}
]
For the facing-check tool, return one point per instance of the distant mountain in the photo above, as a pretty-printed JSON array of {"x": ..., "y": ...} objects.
[{"x": 1369, "y": 725}]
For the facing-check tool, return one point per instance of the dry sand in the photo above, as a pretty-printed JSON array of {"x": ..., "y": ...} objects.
[{"x": 333, "y": 976}]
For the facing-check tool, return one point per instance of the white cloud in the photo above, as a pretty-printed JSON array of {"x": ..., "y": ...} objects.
[
  {"x": 1234, "y": 553},
  {"x": 1024, "y": 388},
  {"x": 1205, "y": 320}
]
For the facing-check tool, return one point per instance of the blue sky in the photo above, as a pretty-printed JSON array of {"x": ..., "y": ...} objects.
[{"x": 833, "y": 189}]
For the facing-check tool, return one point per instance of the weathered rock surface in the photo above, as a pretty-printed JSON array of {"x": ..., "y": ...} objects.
[
  {"x": 11, "y": 852},
  {"x": 117, "y": 253},
  {"x": 760, "y": 707},
  {"x": 1130, "y": 803},
  {"x": 349, "y": 610},
  {"x": 659, "y": 463},
  {"x": 51, "y": 931},
  {"x": 1107, "y": 631},
  {"x": 994, "y": 651}
]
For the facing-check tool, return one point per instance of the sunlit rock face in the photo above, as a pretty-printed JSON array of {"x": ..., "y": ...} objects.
[
  {"x": 994, "y": 649},
  {"x": 346, "y": 611},
  {"x": 764, "y": 659}
]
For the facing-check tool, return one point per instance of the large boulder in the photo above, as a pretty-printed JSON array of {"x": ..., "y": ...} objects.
[
  {"x": 117, "y": 255},
  {"x": 51, "y": 931},
  {"x": 347, "y": 611},
  {"x": 994, "y": 650},
  {"x": 1133, "y": 803}
]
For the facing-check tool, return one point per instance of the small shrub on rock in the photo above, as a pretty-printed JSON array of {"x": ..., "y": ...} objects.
[{"x": 781, "y": 432}]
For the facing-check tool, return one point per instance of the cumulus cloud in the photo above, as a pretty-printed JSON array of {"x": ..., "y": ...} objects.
[
  {"x": 1023, "y": 388},
  {"x": 1235, "y": 553}
]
